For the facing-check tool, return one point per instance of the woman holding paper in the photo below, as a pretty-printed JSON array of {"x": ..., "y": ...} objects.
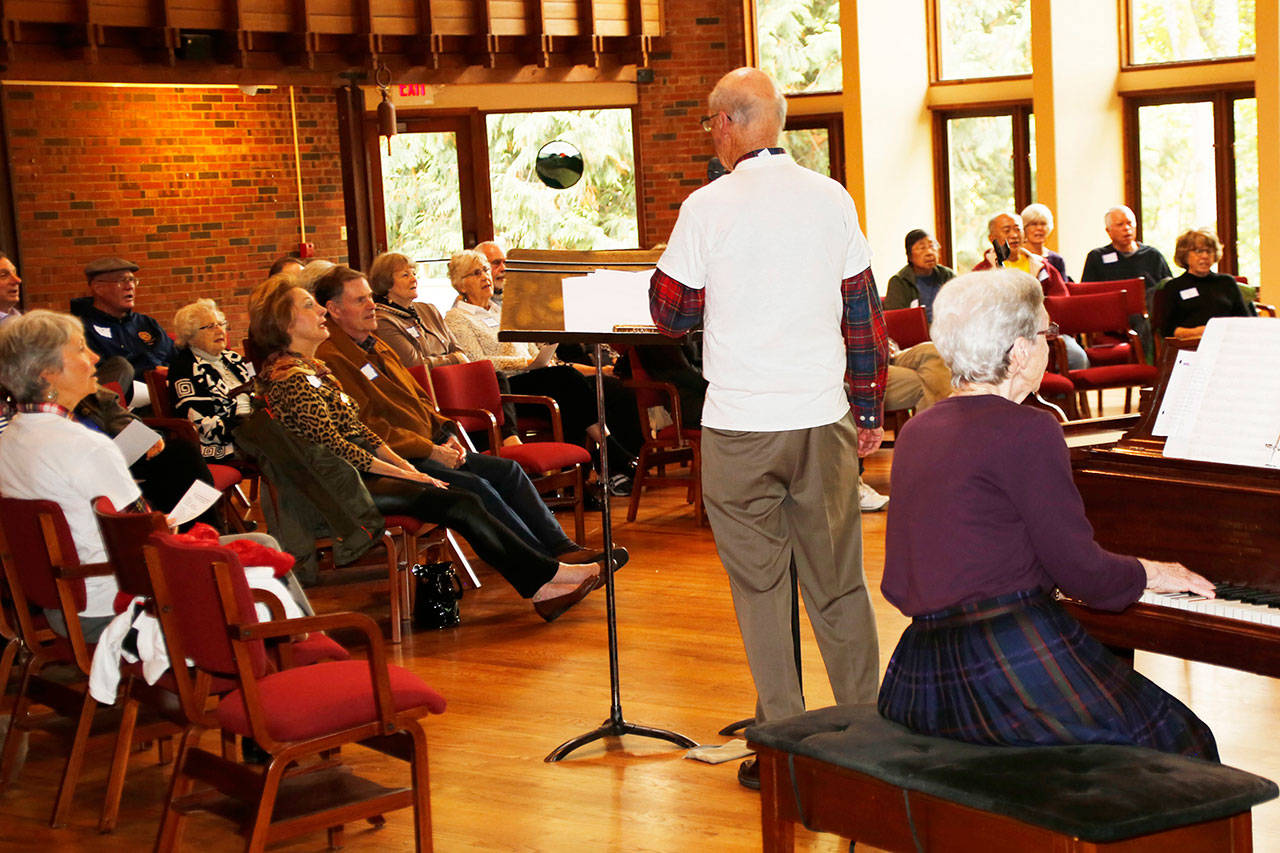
[
  {"x": 1183, "y": 305},
  {"x": 986, "y": 523},
  {"x": 288, "y": 325},
  {"x": 475, "y": 319}
]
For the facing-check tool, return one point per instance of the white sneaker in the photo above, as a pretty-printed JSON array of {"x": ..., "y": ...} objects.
[{"x": 869, "y": 500}]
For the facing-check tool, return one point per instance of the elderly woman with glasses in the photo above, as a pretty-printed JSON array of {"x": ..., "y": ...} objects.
[
  {"x": 1182, "y": 306},
  {"x": 475, "y": 319},
  {"x": 207, "y": 381},
  {"x": 986, "y": 525}
]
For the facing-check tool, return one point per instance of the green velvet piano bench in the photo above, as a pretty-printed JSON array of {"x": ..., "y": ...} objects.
[{"x": 847, "y": 770}]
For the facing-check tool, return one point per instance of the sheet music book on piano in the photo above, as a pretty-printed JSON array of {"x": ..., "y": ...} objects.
[
  {"x": 1223, "y": 404},
  {"x": 603, "y": 299}
]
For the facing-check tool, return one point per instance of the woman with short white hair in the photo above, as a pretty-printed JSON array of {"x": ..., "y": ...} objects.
[
  {"x": 207, "y": 381},
  {"x": 1037, "y": 225},
  {"x": 986, "y": 524}
]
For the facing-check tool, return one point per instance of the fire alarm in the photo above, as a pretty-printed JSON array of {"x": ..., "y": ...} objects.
[{"x": 306, "y": 250}]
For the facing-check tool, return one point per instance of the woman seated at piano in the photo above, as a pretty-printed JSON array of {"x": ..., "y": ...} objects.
[
  {"x": 1183, "y": 305},
  {"x": 986, "y": 524}
]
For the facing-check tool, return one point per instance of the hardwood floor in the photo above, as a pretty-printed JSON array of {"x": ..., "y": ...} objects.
[{"x": 518, "y": 687}]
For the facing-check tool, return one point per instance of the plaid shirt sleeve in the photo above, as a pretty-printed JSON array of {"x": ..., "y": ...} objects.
[
  {"x": 866, "y": 348},
  {"x": 674, "y": 307}
]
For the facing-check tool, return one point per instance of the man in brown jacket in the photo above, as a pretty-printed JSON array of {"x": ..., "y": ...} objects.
[{"x": 395, "y": 407}]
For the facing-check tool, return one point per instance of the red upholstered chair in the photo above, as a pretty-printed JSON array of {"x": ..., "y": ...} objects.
[
  {"x": 44, "y": 573},
  {"x": 675, "y": 444},
  {"x": 1083, "y": 316},
  {"x": 124, "y": 534},
  {"x": 1112, "y": 347},
  {"x": 907, "y": 326},
  {"x": 469, "y": 394},
  {"x": 158, "y": 389},
  {"x": 1060, "y": 392},
  {"x": 300, "y": 717}
]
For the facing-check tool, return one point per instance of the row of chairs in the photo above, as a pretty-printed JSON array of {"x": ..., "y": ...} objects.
[{"x": 285, "y": 684}]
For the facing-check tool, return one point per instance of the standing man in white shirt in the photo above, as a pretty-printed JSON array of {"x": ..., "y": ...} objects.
[{"x": 771, "y": 259}]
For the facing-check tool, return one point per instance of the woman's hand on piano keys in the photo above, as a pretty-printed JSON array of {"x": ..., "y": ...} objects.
[{"x": 1175, "y": 577}]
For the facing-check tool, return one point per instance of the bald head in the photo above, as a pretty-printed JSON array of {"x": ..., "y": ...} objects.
[{"x": 754, "y": 111}]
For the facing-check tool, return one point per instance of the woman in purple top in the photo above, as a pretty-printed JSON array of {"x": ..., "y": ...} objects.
[{"x": 985, "y": 523}]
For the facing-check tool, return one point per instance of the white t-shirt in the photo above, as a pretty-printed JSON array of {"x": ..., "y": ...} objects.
[
  {"x": 44, "y": 456},
  {"x": 770, "y": 242}
]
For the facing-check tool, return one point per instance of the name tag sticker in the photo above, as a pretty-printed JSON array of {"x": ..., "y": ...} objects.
[
  {"x": 369, "y": 372},
  {"x": 102, "y": 330},
  {"x": 346, "y": 401},
  {"x": 1044, "y": 273},
  {"x": 315, "y": 380},
  {"x": 253, "y": 371},
  {"x": 1110, "y": 258},
  {"x": 915, "y": 303},
  {"x": 413, "y": 332},
  {"x": 1189, "y": 293},
  {"x": 491, "y": 321}
]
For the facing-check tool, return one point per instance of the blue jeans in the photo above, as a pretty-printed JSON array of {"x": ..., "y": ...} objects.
[{"x": 509, "y": 496}]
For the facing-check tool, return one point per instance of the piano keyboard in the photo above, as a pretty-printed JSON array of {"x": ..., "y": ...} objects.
[{"x": 1233, "y": 602}]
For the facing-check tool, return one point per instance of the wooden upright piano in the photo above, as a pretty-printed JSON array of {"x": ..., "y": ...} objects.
[{"x": 1222, "y": 521}]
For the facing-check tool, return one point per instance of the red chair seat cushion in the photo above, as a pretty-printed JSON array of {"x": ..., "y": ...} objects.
[
  {"x": 310, "y": 701},
  {"x": 543, "y": 456},
  {"x": 407, "y": 523},
  {"x": 1118, "y": 354},
  {"x": 1113, "y": 376},
  {"x": 668, "y": 433},
  {"x": 224, "y": 477},
  {"x": 317, "y": 648},
  {"x": 1054, "y": 383}
]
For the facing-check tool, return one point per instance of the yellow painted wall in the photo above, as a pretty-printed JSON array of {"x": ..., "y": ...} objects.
[
  {"x": 1267, "y": 87},
  {"x": 888, "y": 144}
]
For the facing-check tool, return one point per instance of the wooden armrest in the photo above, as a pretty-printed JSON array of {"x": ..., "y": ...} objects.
[
  {"x": 1263, "y": 309},
  {"x": 1060, "y": 357},
  {"x": 377, "y": 657},
  {"x": 84, "y": 570},
  {"x": 495, "y": 440},
  {"x": 553, "y": 410},
  {"x": 261, "y": 596},
  {"x": 176, "y": 427}
]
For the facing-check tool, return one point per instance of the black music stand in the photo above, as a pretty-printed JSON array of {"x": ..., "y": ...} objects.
[{"x": 616, "y": 725}]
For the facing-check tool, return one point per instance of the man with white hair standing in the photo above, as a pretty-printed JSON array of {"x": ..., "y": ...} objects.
[{"x": 771, "y": 259}]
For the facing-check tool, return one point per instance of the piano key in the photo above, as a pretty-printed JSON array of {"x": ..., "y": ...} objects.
[{"x": 1256, "y": 613}]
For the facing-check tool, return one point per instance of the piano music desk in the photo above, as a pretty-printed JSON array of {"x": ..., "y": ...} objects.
[{"x": 848, "y": 771}]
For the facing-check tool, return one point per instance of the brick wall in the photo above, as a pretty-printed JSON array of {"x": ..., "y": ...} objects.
[
  {"x": 196, "y": 186},
  {"x": 702, "y": 39}
]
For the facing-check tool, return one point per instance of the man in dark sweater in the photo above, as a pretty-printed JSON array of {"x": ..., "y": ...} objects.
[
  {"x": 1124, "y": 257},
  {"x": 128, "y": 343}
]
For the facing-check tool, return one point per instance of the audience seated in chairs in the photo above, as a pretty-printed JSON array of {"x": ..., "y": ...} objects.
[
  {"x": 474, "y": 321},
  {"x": 309, "y": 402},
  {"x": 393, "y": 406},
  {"x": 207, "y": 381}
]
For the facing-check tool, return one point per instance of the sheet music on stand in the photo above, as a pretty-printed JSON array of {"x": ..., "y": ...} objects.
[
  {"x": 608, "y": 301},
  {"x": 1223, "y": 403}
]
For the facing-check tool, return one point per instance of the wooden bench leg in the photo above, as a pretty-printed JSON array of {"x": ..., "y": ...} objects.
[{"x": 778, "y": 833}]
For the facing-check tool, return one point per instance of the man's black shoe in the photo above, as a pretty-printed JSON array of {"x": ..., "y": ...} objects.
[{"x": 749, "y": 774}]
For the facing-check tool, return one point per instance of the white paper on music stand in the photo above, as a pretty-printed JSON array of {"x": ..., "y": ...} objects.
[
  {"x": 600, "y": 300},
  {"x": 1185, "y": 385},
  {"x": 198, "y": 498},
  {"x": 136, "y": 439},
  {"x": 1233, "y": 416}
]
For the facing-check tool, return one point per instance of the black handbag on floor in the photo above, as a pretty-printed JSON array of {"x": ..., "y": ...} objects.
[{"x": 437, "y": 591}]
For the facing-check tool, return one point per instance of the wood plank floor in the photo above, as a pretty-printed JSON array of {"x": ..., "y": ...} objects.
[{"x": 518, "y": 687}]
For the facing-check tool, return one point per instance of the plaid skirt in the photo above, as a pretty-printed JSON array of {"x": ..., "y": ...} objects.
[{"x": 1018, "y": 670}]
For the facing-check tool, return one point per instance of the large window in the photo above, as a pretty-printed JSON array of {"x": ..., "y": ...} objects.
[
  {"x": 422, "y": 203},
  {"x": 988, "y": 169},
  {"x": 598, "y": 212},
  {"x": 1196, "y": 160},
  {"x": 799, "y": 44},
  {"x": 816, "y": 142},
  {"x": 982, "y": 38},
  {"x": 1188, "y": 30}
]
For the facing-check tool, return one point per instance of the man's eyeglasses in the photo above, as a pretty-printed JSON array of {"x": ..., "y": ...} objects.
[
  {"x": 705, "y": 121},
  {"x": 118, "y": 282},
  {"x": 216, "y": 324}
]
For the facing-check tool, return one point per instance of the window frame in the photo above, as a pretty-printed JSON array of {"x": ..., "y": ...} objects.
[
  {"x": 1223, "y": 99},
  {"x": 933, "y": 24},
  {"x": 1020, "y": 112},
  {"x": 1128, "y": 32},
  {"x": 833, "y": 124},
  {"x": 751, "y": 26}
]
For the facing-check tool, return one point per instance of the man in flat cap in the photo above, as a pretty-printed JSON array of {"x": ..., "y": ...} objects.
[{"x": 128, "y": 343}]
